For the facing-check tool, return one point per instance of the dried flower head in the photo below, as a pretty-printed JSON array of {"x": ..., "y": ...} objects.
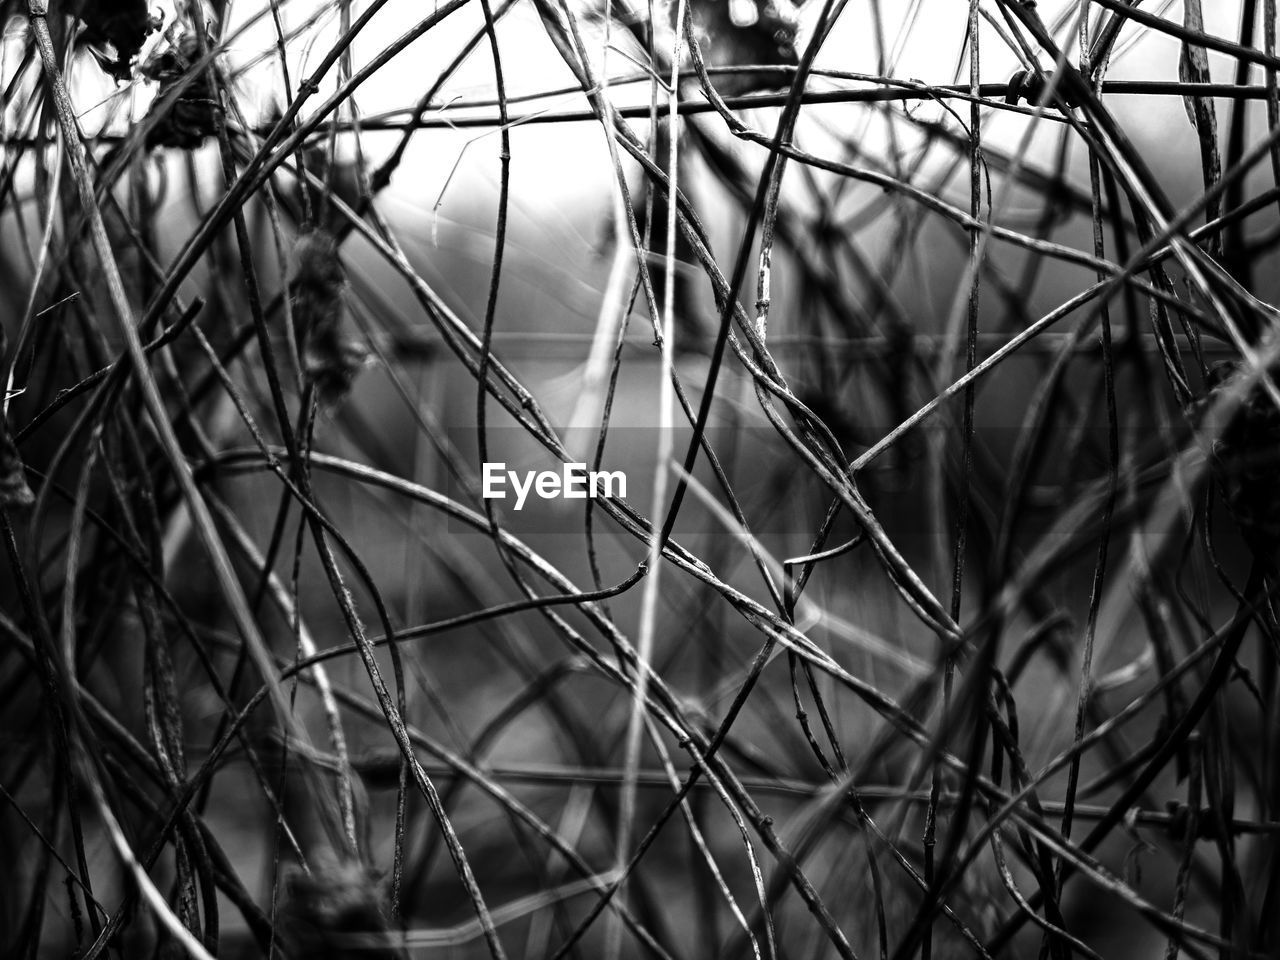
[
  {"x": 328, "y": 177},
  {"x": 333, "y": 366},
  {"x": 335, "y": 913},
  {"x": 330, "y": 359},
  {"x": 121, "y": 25},
  {"x": 187, "y": 120}
]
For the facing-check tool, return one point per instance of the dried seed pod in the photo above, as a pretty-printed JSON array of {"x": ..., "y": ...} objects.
[
  {"x": 122, "y": 25},
  {"x": 330, "y": 360},
  {"x": 184, "y": 122},
  {"x": 1030, "y": 85},
  {"x": 14, "y": 492},
  {"x": 327, "y": 178},
  {"x": 333, "y": 365},
  {"x": 335, "y": 913}
]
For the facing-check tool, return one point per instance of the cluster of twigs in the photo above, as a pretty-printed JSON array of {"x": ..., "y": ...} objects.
[{"x": 934, "y": 631}]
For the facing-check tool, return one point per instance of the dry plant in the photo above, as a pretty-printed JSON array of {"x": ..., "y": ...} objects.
[{"x": 936, "y": 341}]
